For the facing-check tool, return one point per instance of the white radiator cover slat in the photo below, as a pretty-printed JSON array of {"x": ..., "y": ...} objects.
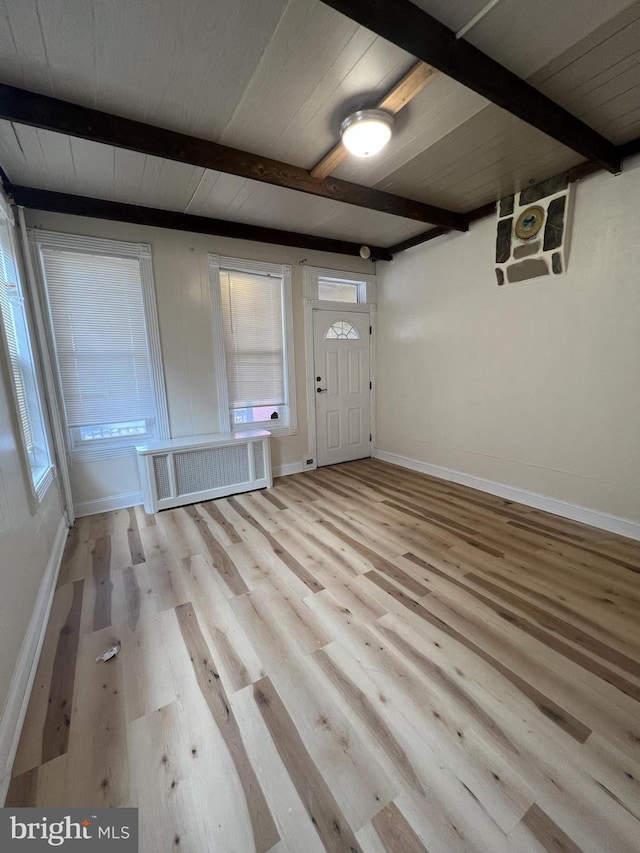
[{"x": 188, "y": 470}]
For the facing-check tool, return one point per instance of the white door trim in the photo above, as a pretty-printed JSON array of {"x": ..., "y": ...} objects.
[{"x": 311, "y": 305}]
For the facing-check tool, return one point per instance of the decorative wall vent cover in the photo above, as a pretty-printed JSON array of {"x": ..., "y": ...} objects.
[{"x": 533, "y": 231}]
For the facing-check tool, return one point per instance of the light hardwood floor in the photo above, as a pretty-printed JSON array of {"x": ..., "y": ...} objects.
[{"x": 361, "y": 659}]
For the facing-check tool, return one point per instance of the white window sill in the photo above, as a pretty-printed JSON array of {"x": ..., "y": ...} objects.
[
  {"x": 41, "y": 483},
  {"x": 276, "y": 431}
]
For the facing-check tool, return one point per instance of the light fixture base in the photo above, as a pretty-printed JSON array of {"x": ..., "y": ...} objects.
[{"x": 366, "y": 132}]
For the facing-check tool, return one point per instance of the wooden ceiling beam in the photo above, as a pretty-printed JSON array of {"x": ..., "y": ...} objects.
[
  {"x": 413, "y": 82},
  {"x": 96, "y": 208},
  {"x": 409, "y": 27},
  {"x": 42, "y": 111}
]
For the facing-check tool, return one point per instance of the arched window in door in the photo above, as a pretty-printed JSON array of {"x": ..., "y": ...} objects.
[{"x": 342, "y": 330}]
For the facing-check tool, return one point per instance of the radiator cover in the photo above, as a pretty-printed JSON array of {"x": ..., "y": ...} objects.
[{"x": 187, "y": 470}]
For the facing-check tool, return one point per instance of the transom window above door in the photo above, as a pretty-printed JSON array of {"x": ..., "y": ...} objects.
[
  {"x": 337, "y": 290},
  {"x": 342, "y": 330},
  {"x": 332, "y": 288}
]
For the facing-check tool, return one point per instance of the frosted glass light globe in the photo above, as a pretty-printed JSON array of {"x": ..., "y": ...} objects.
[{"x": 366, "y": 132}]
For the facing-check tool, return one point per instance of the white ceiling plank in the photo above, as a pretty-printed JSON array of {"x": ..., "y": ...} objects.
[
  {"x": 493, "y": 140},
  {"x": 12, "y": 157},
  {"x": 368, "y": 227},
  {"x": 215, "y": 194},
  {"x": 308, "y": 40},
  {"x": 291, "y": 211},
  {"x": 181, "y": 65},
  {"x": 262, "y": 204},
  {"x": 606, "y": 46},
  {"x": 318, "y": 67},
  {"x": 525, "y": 36},
  {"x": 94, "y": 168},
  {"x": 70, "y": 40},
  {"x": 129, "y": 169},
  {"x": 23, "y": 55},
  {"x": 175, "y": 184},
  {"x": 48, "y": 159},
  {"x": 184, "y": 64},
  {"x": 202, "y": 191},
  {"x": 148, "y": 181},
  {"x": 452, "y": 13}
]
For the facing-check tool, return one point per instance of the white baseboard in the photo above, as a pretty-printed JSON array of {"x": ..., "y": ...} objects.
[
  {"x": 27, "y": 664},
  {"x": 612, "y": 523},
  {"x": 290, "y": 468},
  {"x": 107, "y": 504}
]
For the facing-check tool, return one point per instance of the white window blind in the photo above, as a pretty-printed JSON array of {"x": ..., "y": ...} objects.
[
  {"x": 98, "y": 318},
  {"x": 253, "y": 322},
  {"x": 21, "y": 360}
]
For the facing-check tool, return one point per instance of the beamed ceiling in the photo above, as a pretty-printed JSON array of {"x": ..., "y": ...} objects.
[{"x": 219, "y": 109}]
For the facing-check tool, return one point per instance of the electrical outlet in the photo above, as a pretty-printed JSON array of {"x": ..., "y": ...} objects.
[{"x": 308, "y": 462}]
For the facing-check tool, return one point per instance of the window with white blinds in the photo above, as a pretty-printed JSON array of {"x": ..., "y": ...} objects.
[
  {"x": 253, "y": 307},
  {"x": 101, "y": 336},
  {"x": 20, "y": 354}
]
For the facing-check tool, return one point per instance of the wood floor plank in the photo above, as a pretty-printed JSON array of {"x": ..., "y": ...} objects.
[
  {"x": 324, "y": 812},
  {"x": 370, "y": 718},
  {"x": 55, "y": 733},
  {"x": 187, "y": 792},
  {"x": 341, "y": 753},
  {"x": 220, "y": 559},
  {"x": 476, "y": 790},
  {"x": 30, "y": 747},
  {"x": 97, "y": 761},
  {"x": 223, "y": 526},
  {"x": 297, "y": 568},
  {"x": 40, "y": 786},
  {"x": 135, "y": 543},
  {"x": 102, "y": 584},
  {"x": 587, "y": 661},
  {"x": 294, "y": 824},
  {"x": 360, "y": 658},
  {"x": 395, "y": 831},
  {"x": 238, "y": 663},
  {"x": 146, "y": 677},
  {"x": 547, "y": 833},
  {"x": 165, "y": 573},
  {"x": 265, "y": 833}
]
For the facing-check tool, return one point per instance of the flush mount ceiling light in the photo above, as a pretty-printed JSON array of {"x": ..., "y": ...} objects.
[{"x": 366, "y": 132}]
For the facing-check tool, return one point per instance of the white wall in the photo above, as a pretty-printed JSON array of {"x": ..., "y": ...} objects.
[
  {"x": 27, "y": 544},
  {"x": 536, "y": 386},
  {"x": 184, "y": 311}
]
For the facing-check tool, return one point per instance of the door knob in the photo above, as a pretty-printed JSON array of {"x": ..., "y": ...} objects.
[{"x": 320, "y": 390}]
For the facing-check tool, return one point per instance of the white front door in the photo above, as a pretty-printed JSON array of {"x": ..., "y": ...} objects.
[{"x": 342, "y": 385}]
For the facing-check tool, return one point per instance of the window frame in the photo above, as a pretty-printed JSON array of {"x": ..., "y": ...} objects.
[
  {"x": 366, "y": 288},
  {"x": 38, "y": 479},
  {"x": 110, "y": 448},
  {"x": 216, "y": 265}
]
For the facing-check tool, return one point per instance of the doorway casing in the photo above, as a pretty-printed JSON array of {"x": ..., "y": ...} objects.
[{"x": 366, "y": 305}]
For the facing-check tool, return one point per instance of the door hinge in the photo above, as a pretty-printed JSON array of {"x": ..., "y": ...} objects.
[
  {"x": 370, "y": 436},
  {"x": 370, "y": 386},
  {"x": 369, "y": 329}
]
